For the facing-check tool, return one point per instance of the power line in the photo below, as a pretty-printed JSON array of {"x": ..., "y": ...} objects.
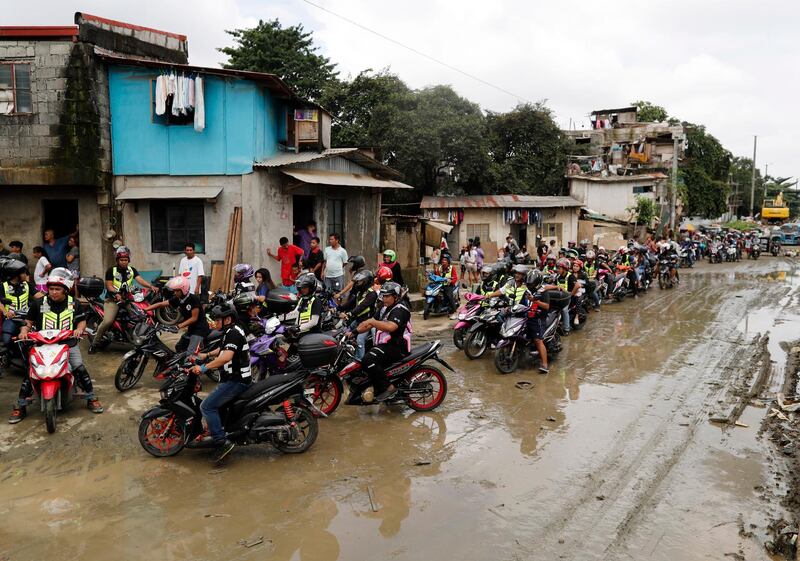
[{"x": 418, "y": 52}]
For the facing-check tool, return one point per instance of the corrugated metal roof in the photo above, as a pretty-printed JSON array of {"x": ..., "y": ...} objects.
[
  {"x": 289, "y": 158},
  {"x": 500, "y": 201},
  {"x": 324, "y": 177},
  {"x": 643, "y": 177},
  {"x": 140, "y": 193}
]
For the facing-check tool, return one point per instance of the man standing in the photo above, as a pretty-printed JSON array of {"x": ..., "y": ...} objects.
[
  {"x": 288, "y": 255},
  {"x": 16, "y": 251},
  {"x": 333, "y": 267},
  {"x": 43, "y": 267},
  {"x": 314, "y": 259},
  {"x": 56, "y": 248},
  {"x": 191, "y": 266},
  {"x": 305, "y": 236}
]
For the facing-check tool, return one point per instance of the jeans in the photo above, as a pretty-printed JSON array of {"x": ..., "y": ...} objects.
[
  {"x": 82, "y": 378},
  {"x": 191, "y": 342},
  {"x": 110, "y": 310},
  {"x": 361, "y": 340},
  {"x": 565, "y": 318},
  {"x": 10, "y": 329},
  {"x": 334, "y": 284},
  {"x": 225, "y": 392}
]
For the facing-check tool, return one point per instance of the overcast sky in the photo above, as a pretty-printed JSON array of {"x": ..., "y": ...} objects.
[{"x": 729, "y": 64}]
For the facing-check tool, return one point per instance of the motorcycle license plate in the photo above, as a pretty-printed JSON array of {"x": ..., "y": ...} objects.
[{"x": 129, "y": 354}]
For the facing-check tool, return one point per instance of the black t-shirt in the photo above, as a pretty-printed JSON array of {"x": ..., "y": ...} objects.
[
  {"x": 570, "y": 281},
  {"x": 129, "y": 273},
  {"x": 35, "y": 311},
  {"x": 368, "y": 300},
  {"x": 581, "y": 277},
  {"x": 401, "y": 316},
  {"x": 314, "y": 259},
  {"x": 238, "y": 369},
  {"x": 397, "y": 273},
  {"x": 544, "y": 298},
  {"x": 185, "y": 307}
]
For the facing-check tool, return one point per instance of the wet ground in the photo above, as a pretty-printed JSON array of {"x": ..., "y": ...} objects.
[{"x": 610, "y": 456}]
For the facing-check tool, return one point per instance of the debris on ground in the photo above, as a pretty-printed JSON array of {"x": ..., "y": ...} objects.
[
  {"x": 524, "y": 385},
  {"x": 216, "y": 516},
  {"x": 252, "y": 542},
  {"x": 373, "y": 504}
]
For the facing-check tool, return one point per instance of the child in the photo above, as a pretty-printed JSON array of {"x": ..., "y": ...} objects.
[
  {"x": 295, "y": 271},
  {"x": 43, "y": 267}
]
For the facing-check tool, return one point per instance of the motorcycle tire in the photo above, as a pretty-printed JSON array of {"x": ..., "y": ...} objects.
[
  {"x": 153, "y": 439},
  {"x": 619, "y": 296},
  {"x": 130, "y": 372},
  {"x": 214, "y": 375},
  {"x": 476, "y": 344},
  {"x": 327, "y": 394},
  {"x": 506, "y": 360},
  {"x": 309, "y": 429},
  {"x": 582, "y": 316},
  {"x": 459, "y": 337},
  {"x": 167, "y": 316},
  {"x": 661, "y": 283},
  {"x": 425, "y": 382},
  {"x": 50, "y": 415},
  {"x": 426, "y": 311}
]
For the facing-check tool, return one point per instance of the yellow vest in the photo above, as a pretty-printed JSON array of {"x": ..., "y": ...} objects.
[
  {"x": 516, "y": 293},
  {"x": 18, "y": 303},
  {"x": 53, "y": 320},
  {"x": 563, "y": 284},
  {"x": 305, "y": 314},
  {"x": 117, "y": 276}
]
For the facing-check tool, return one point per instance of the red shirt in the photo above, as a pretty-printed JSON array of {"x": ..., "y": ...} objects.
[{"x": 288, "y": 256}]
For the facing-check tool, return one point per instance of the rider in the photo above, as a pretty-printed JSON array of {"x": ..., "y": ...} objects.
[
  {"x": 392, "y": 326},
  {"x": 488, "y": 284},
  {"x": 534, "y": 326},
  {"x": 309, "y": 307},
  {"x": 390, "y": 260},
  {"x": 233, "y": 358},
  {"x": 122, "y": 274},
  {"x": 365, "y": 289},
  {"x": 590, "y": 267},
  {"x": 20, "y": 291},
  {"x": 356, "y": 264},
  {"x": 449, "y": 272},
  {"x": 191, "y": 313},
  {"x": 564, "y": 281},
  {"x": 624, "y": 259},
  {"x": 550, "y": 266},
  {"x": 57, "y": 311},
  {"x": 583, "y": 248},
  {"x": 243, "y": 274}
]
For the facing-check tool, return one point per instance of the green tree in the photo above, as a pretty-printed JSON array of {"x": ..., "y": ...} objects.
[
  {"x": 288, "y": 52},
  {"x": 649, "y": 113},
  {"x": 528, "y": 151},
  {"x": 645, "y": 210}
]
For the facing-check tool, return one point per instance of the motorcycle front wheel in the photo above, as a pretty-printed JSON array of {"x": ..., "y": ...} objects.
[
  {"x": 506, "y": 358},
  {"x": 426, "y": 311},
  {"x": 476, "y": 344},
  {"x": 307, "y": 430},
  {"x": 130, "y": 372},
  {"x": 167, "y": 315},
  {"x": 50, "y": 415},
  {"x": 459, "y": 336},
  {"x": 327, "y": 392},
  {"x": 162, "y": 436}
]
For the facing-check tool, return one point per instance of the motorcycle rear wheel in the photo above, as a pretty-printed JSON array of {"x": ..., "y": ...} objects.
[
  {"x": 162, "y": 436},
  {"x": 130, "y": 372},
  {"x": 476, "y": 344},
  {"x": 327, "y": 392},
  {"x": 308, "y": 428},
  {"x": 582, "y": 316},
  {"x": 50, "y": 415},
  {"x": 426, "y": 311},
  {"x": 429, "y": 388},
  {"x": 506, "y": 360},
  {"x": 661, "y": 283},
  {"x": 459, "y": 337},
  {"x": 167, "y": 315}
]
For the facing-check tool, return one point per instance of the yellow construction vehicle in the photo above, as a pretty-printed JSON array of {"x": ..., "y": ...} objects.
[{"x": 775, "y": 210}]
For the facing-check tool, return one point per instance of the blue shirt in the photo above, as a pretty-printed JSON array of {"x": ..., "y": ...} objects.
[{"x": 57, "y": 253}]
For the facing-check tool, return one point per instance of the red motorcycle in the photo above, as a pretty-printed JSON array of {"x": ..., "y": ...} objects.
[
  {"x": 131, "y": 313},
  {"x": 50, "y": 372}
]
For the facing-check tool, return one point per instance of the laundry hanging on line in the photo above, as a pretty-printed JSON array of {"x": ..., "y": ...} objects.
[
  {"x": 522, "y": 216},
  {"x": 181, "y": 95}
]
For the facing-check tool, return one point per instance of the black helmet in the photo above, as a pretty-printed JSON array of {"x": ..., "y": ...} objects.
[
  {"x": 534, "y": 279},
  {"x": 363, "y": 279},
  {"x": 391, "y": 288},
  {"x": 521, "y": 269},
  {"x": 356, "y": 263},
  {"x": 224, "y": 310},
  {"x": 306, "y": 280}
]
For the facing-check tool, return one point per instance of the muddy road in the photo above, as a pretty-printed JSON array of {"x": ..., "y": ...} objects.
[{"x": 613, "y": 455}]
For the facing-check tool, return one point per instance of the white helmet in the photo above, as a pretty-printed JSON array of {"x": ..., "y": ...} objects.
[
  {"x": 61, "y": 277},
  {"x": 590, "y": 254}
]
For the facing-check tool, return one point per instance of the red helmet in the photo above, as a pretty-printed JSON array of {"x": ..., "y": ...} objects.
[
  {"x": 384, "y": 274},
  {"x": 578, "y": 262},
  {"x": 563, "y": 263}
]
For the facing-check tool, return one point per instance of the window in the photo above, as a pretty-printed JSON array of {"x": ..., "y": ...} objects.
[
  {"x": 551, "y": 231},
  {"x": 336, "y": 218},
  {"x": 176, "y": 223},
  {"x": 15, "y": 88},
  {"x": 168, "y": 118},
  {"x": 478, "y": 231},
  {"x": 638, "y": 190}
]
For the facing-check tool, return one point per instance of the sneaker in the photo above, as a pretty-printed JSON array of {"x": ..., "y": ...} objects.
[
  {"x": 390, "y": 392},
  {"x": 223, "y": 449},
  {"x": 17, "y": 414},
  {"x": 544, "y": 370},
  {"x": 93, "y": 349},
  {"x": 94, "y": 406}
]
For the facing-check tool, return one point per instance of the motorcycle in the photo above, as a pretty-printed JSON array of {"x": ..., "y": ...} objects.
[
  {"x": 578, "y": 312},
  {"x": 775, "y": 248},
  {"x": 147, "y": 344},
  {"x": 467, "y": 315},
  {"x": 687, "y": 259},
  {"x": 485, "y": 332},
  {"x": 11, "y": 355},
  {"x": 435, "y": 301},
  {"x": 267, "y": 356},
  {"x": 621, "y": 284},
  {"x": 50, "y": 371},
  {"x": 131, "y": 313},
  {"x": 274, "y": 411},
  {"x": 514, "y": 343},
  {"x": 731, "y": 254},
  {"x": 665, "y": 267},
  {"x": 715, "y": 253},
  {"x": 754, "y": 253}
]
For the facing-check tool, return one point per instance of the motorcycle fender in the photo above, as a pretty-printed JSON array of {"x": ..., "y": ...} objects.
[
  {"x": 503, "y": 343},
  {"x": 429, "y": 299},
  {"x": 155, "y": 412},
  {"x": 314, "y": 409},
  {"x": 475, "y": 327},
  {"x": 461, "y": 324},
  {"x": 443, "y": 362},
  {"x": 128, "y": 355},
  {"x": 49, "y": 388}
]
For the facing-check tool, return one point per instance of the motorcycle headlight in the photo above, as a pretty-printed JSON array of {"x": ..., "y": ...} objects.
[{"x": 462, "y": 316}]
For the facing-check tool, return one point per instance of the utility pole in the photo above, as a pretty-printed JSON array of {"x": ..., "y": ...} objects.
[
  {"x": 766, "y": 174},
  {"x": 674, "y": 193},
  {"x": 753, "y": 179}
]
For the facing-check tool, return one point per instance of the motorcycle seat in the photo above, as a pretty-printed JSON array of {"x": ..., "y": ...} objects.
[
  {"x": 260, "y": 387},
  {"x": 415, "y": 353}
]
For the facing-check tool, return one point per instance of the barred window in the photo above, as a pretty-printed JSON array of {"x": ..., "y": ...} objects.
[{"x": 174, "y": 223}]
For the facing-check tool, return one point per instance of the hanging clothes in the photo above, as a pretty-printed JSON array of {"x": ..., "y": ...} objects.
[
  {"x": 199, "y": 107},
  {"x": 161, "y": 94}
]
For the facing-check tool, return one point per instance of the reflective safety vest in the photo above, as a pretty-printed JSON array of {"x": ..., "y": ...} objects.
[
  {"x": 384, "y": 336},
  {"x": 305, "y": 312},
  {"x": 360, "y": 299},
  {"x": 54, "y": 320},
  {"x": 117, "y": 278},
  {"x": 449, "y": 274},
  {"x": 563, "y": 284},
  {"x": 483, "y": 290},
  {"x": 516, "y": 293},
  {"x": 591, "y": 270},
  {"x": 18, "y": 303}
]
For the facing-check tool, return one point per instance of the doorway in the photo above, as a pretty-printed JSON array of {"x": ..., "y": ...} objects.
[
  {"x": 302, "y": 214},
  {"x": 520, "y": 233},
  {"x": 60, "y": 215}
]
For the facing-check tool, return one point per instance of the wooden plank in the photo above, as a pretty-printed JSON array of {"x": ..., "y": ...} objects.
[
  {"x": 227, "y": 263},
  {"x": 217, "y": 276}
]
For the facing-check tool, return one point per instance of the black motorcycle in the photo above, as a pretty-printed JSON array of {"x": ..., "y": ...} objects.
[
  {"x": 665, "y": 268},
  {"x": 146, "y": 344},
  {"x": 11, "y": 355},
  {"x": 515, "y": 345},
  {"x": 485, "y": 332},
  {"x": 274, "y": 411}
]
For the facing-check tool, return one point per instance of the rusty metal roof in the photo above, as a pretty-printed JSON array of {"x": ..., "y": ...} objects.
[
  {"x": 355, "y": 155},
  {"x": 500, "y": 201},
  {"x": 337, "y": 178},
  {"x": 642, "y": 177}
]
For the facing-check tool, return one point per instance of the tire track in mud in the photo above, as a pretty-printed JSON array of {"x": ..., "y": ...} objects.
[{"x": 633, "y": 470}]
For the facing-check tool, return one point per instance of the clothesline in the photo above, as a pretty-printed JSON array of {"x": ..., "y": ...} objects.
[{"x": 180, "y": 95}]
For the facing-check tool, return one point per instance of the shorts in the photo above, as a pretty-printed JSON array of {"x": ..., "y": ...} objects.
[
  {"x": 472, "y": 267},
  {"x": 534, "y": 328}
]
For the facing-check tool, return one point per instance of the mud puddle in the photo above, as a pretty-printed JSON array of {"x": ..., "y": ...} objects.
[{"x": 610, "y": 456}]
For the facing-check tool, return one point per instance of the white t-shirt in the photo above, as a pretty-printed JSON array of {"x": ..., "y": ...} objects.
[
  {"x": 39, "y": 274},
  {"x": 335, "y": 260},
  {"x": 194, "y": 267}
]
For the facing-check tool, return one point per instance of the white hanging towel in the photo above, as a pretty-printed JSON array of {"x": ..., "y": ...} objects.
[
  {"x": 161, "y": 94},
  {"x": 199, "y": 106}
]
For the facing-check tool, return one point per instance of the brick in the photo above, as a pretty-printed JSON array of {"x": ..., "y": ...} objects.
[
  {"x": 57, "y": 60},
  {"x": 40, "y": 130},
  {"x": 60, "y": 48},
  {"x": 3, "y": 51},
  {"x": 29, "y": 51},
  {"x": 41, "y": 49},
  {"x": 28, "y": 141},
  {"x": 56, "y": 84},
  {"x": 17, "y": 52},
  {"x": 40, "y": 152},
  {"x": 8, "y": 43}
]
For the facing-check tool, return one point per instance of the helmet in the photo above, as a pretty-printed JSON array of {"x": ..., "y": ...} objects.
[
  {"x": 603, "y": 258},
  {"x": 534, "y": 279},
  {"x": 243, "y": 301},
  {"x": 363, "y": 279},
  {"x": 61, "y": 277},
  {"x": 601, "y": 250},
  {"x": 486, "y": 273},
  {"x": 384, "y": 274},
  {"x": 122, "y": 252},
  {"x": 356, "y": 262},
  {"x": 179, "y": 283},
  {"x": 571, "y": 253},
  {"x": 590, "y": 254},
  {"x": 391, "y": 289},
  {"x": 584, "y": 243},
  {"x": 306, "y": 280},
  {"x": 242, "y": 272},
  {"x": 445, "y": 256},
  {"x": 623, "y": 250},
  {"x": 391, "y": 255},
  {"x": 570, "y": 244},
  {"x": 520, "y": 269},
  {"x": 578, "y": 262},
  {"x": 551, "y": 257},
  {"x": 563, "y": 263},
  {"x": 224, "y": 310}
]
